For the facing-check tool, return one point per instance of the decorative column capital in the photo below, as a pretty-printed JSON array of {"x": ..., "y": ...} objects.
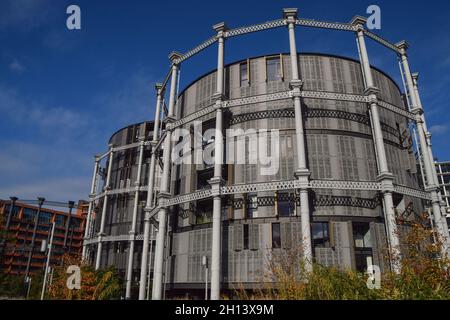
[
  {"x": 402, "y": 46},
  {"x": 296, "y": 84},
  {"x": 372, "y": 91},
  {"x": 159, "y": 88},
  {"x": 218, "y": 96},
  {"x": 168, "y": 122},
  {"x": 358, "y": 22},
  {"x": 153, "y": 144},
  {"x": 290, "y": 14},
  {"x": 162, "y": 198},
  {"x": 132, "y": 234},
  {"x": 417, "y": 111},
  {"x": 303, "y": 176},
  {"x": 387, "y": 182},
  {"x": 216, "y": 183},
  {"x": 97, "y": 158},
  {"x": 174, "y": 57},
  {"x": 220, "y": 28},
  {"x": 433, "y": 189}
]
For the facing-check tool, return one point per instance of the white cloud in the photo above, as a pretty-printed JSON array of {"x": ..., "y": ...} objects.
[
  {"x": 16, "y": 66},
  {"x": 57, "y": 171},
  {"x": 53, "y": 189},
  {"x": 24, "y": 14},
  {"x": 39, "y": 115},
  {"x": 439, "y": 129},
  {"x": 132, "y": 102}
]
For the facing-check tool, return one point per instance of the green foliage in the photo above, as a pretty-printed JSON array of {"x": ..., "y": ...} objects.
[
  {"x": 103, "y": 284},
  {"x": 11, "y": 286},
  {"x": 425, "y": 274}
]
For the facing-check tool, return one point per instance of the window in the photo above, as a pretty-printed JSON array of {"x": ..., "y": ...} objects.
[
  {"x": 29, "y": 214},
  {"x": 243, "y": 74},
  {"x": 276, "y": 236},
  {"x": 15, "y": 211},
  {"x": 204, "y": 211},
  {"x": 45, "y": 217},
  {"x": 76, "y": 223},
  {"x": 361, "y": 235},
  {"x": 363, "y": 245},
  {"x": 363, "y": 260},
  {"x": 320, "y": 234},
  {"x": 445, "y": 168},
  {"x": 60, "y": 220},
  {"x": 285, "y": 204},
  {"x": 273, "y": 69},
  {"x": 252, "y": 205},
  {"x": 203, "y": 177},
  {"x": 446, "y": 179},
  {"x": 246, "y": 238}
]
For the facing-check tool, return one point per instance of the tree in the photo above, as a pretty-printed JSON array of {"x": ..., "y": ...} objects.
[{"x": 95, "y": 284}]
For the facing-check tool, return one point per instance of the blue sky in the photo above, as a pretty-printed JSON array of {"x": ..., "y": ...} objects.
[{"x": 63, "y": 93}]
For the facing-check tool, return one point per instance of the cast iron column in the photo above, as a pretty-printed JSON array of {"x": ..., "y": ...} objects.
[{"x": 384, "y": 176}]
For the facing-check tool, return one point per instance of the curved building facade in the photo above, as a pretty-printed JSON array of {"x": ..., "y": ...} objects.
[
  {"x": 285, "y": 151},
  {"x": 347, "y": 226},
  {"x": 128, "y": 193}
]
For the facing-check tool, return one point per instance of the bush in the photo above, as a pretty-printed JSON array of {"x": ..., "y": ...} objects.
[{"x": 425, "y": 274}]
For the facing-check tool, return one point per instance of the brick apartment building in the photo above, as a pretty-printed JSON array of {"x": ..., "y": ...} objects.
[{"x": 16, "y": 236}]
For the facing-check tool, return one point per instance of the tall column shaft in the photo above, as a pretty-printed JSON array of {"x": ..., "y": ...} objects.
[
  {"x": 378, "y": 138},
  {"x": 302, "y": 172},
  {"x": 216, "y": 249},
  {"x": 145, "y": 244},
  {"x": 90, "y": 208},
  {"x": 384, "y": 176},
  {"x": 220, "y": 63},
  {"x": 149, "y": 202},
  {"x": 157, "y": 293},
  {"x": 162, "y": 221},
  {"x": 134, "y": 221},
  {"x": 430, "y": 170},
  {"x": 216, "y": 181},
  {"x": 430, "y": 155},
  {"x": 365, "y": 64},
  {"x": 105, "y": 206}
]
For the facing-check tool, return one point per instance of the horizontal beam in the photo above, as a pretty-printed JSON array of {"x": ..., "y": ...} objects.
[
  {"x": 196, "y": 50},
  {"x": 325, "y": 25},
  {"x": 122, "y": 237},
  {"x": 346, "y": 185},
  {"x": 380, "y": 40},
  {"x": 420, "y": 194},
  {"x": 255, "y": 28},
  {"x": 397, "y": 110},
  {"x": 306, "y": 94},
  {"x": 257, "y": 99},
  {"x": 334, "y": 96},
  {"x": 194, "y": 116}
]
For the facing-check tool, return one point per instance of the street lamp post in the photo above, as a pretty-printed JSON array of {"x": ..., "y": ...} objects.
[
  {"x": 47, "y": 265},
  {"x": 33, "y": 238}
]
